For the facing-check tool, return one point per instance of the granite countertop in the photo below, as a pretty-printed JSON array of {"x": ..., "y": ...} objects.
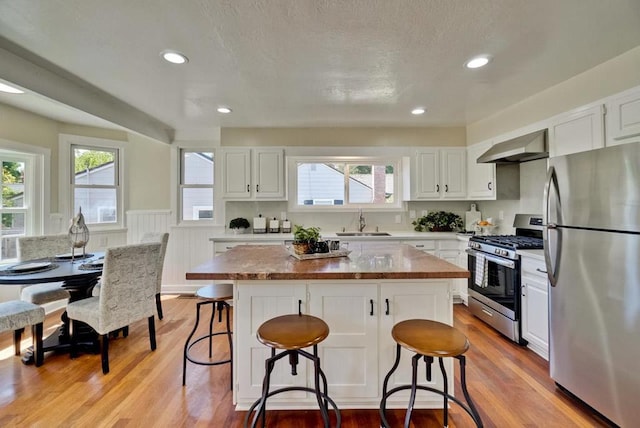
[{"x": 366, "y": 261}]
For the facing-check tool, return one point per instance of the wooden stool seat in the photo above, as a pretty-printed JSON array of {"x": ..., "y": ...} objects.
[
  {"x": 293, "y": 332},
  {"x": 430, "y": 338},
  {"x": 216, "y": 292}
]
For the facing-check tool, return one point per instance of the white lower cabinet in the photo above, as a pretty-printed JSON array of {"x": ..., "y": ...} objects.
[
  {"x": 535, "y": 306},
  {"x": 359, "y": 350}
]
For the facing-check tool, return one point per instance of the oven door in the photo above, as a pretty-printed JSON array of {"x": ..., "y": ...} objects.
[{"x": 503, "y": 280}]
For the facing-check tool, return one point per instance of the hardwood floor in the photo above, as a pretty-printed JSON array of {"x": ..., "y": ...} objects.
[{"x": 509, "y": 384}]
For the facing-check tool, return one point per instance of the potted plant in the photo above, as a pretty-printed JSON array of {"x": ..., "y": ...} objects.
[
  {"x": 304, "y": 239},
  {"x": 438, "y": 221},
  {"x": 239, "y": 225}
]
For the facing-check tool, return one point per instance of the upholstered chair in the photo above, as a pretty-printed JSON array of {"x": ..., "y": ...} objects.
[
  {"x": 127, "y": 295},
  {"x": 39, "y": 247},
  {"x": 15, "y": 315},
  {"x": 163, "y": 239}
]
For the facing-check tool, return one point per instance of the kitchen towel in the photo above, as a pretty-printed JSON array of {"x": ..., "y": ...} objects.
[{"x": 481, "y": 271}]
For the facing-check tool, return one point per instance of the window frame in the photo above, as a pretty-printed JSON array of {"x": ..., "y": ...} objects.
[
  {"x": 181, "y": 185},
  {"x": 37, "y": 188},
  {"x": 67, "y": 166},
  {"x": 395, "y": 161}
]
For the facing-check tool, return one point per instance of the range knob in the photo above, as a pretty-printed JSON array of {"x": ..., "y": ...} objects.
[{"x": 501, "y": 252}]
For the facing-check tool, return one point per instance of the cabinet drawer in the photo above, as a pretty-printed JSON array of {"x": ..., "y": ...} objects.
[
  {"x": 449, "y": 245},
  {"x": 423, "y": 245},
  {"x": 221, "y": 247},
  {"x": 534, "y": 268}
]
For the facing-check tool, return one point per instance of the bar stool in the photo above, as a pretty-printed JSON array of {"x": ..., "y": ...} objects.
[
  {"x": 429, "y": 339},
  {"x": 291, "y": 333},
  {"x": 215, "y": 295}
]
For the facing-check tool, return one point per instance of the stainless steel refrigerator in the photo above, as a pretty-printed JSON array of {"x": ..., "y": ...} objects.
[{"x": 592, "y": 251}]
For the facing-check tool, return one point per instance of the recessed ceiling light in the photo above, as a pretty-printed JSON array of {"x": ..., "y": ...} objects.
[
  {"x": 418, "y": 111},
  {"x": 10, "y": 89},
  {"x": 174, "y": 57},
  {"x": 477, "y": 62},
  {"x": 224, "y": 110}
]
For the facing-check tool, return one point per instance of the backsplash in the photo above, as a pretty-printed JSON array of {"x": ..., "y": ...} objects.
[{"x": 532, "y": 178}]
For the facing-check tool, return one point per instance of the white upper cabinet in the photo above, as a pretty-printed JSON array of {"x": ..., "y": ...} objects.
[
  {"x": 439, "y": 174},
  {"x": 578, "y": 130},
  {"x": 481, "y": 177},
  {"x": 253, "y": 174},
  {"x": 623, "y": 118}
]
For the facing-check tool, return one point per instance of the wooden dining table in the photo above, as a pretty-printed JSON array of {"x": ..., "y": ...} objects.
[{"x": 78, "y": 276}]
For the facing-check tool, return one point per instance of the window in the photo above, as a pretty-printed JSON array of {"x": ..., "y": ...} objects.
[
  {"x": 95, "y": 183},
  {"x": 346, "y": 183},
  {"x": 15, "y": 206},
  {"x": 196, "y": 185}
]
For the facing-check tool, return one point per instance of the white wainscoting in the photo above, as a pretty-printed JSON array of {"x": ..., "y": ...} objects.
[{"x": 188, "y": 247}]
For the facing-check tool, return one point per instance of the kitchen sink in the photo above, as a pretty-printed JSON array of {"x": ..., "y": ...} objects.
[{"x": 362, "y": 234}]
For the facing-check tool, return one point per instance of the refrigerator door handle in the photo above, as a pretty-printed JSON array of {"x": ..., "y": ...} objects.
[{"x": 550, "y": 227}]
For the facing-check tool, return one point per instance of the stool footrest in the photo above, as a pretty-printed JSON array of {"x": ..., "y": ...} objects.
[
  {"x": 295, "y": 388},
  {"x": 202, "y": 362},
  {"x": 383, "y": 402}
]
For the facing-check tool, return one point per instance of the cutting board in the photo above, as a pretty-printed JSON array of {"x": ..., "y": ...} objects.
[{"x": 471, "y": 218}]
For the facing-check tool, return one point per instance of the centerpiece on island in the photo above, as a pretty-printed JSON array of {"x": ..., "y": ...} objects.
[
  {"x": 304, "y": 239},
  {"x": 438, "y": 221}
]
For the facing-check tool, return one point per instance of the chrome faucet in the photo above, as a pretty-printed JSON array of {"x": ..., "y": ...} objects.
[{"x": 361, "y": 222}]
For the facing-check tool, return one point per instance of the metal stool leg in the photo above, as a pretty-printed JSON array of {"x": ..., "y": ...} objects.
[
  {"x": 186, "y": 345},
  {"x": 463, "y": 381},
  {"x": 316, "y": 376},
  {"x": 383, "y": 402},
  {"x": 445, "y": 389},
  {"x": 213, "y": 316},
  {"x": 229, "y": 338},
  {"x": 414, "y": 384}
]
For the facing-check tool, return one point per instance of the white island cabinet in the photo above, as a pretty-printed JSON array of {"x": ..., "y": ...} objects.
[{"x": 360, "y": 297}]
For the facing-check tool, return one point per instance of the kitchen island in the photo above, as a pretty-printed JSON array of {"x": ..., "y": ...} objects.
[{"x": 360, "y": 297}]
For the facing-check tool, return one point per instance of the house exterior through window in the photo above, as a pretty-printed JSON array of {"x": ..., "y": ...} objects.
[{"x": 196, "y": 185}]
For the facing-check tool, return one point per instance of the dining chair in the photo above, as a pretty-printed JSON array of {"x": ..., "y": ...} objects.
[
  {"x": 163, "y": 239},
  {"x": 40, "y": 247},
  {"x": 127, "y": 295}
]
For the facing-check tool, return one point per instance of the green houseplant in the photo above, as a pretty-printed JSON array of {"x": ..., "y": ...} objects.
[
  {"x": 304, "y": 238},
  {"x": 238, "y": 224},
  {"x": 438, "y": 221}
]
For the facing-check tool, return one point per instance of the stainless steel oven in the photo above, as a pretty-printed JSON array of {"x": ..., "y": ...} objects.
[{"x": 494, "y": 284}]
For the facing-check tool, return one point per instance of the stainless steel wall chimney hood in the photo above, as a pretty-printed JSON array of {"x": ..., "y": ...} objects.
[{"x": 521, "y": 149}]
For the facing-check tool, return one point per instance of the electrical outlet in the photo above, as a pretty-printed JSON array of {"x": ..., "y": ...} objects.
[
  {"x": 283, "y": 215},
  {"x": 424, "y": 213},
  {"x": 103, "y": 241},
  {"x": 398, "y": 219},
  {"x": 500, "y": 215},
  {"x": 412, "y": 214}
]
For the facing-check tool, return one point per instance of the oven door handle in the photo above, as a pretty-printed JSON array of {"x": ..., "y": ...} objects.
[{"x": 497, "y": 260}]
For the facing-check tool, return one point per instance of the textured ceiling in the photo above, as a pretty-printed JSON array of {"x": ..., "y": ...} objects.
[{"x": 320, "y": 62}]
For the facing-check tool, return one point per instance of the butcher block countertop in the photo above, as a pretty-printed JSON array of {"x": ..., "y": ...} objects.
[{"x": 366, "y": 261}]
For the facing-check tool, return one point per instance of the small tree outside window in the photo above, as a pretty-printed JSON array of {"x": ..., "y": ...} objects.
[
  {"x": 14, "y": 207},
  {"x": 95, "y": 183}
]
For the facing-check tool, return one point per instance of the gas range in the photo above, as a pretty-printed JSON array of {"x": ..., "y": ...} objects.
[
  {"x": 505, "y": 245},
  {"x": 528, "y": 237}
]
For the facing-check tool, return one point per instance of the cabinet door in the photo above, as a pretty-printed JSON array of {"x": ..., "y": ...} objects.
[
  {"x": 268, "y": 173},
  {"x": 481, "y": 177},
  {"x": 258, "y": 302},
  {"x": 427, "y": 175},
  {"x": 426, "y": 299},
  {"x": 535, "y": 306},
  {"x": 577, "y": 131},
  {"x": 236, "y": 167},
  {"x": 623, "y": 118},
  {"x": 453, "y": 183},
  {"x": 350, "y": 354}
]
